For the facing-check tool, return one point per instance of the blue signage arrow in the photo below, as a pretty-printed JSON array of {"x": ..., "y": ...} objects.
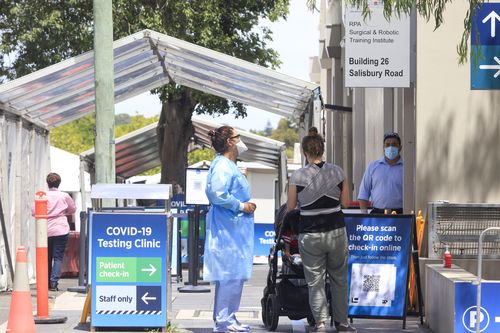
[
  {"x": 484, "y": 24},
  {"x": 492, "y": 17},
  {"x": 485, "y": 47},
  {"x": 148, "y": 298},
  {"x": 496, "y": 67}
]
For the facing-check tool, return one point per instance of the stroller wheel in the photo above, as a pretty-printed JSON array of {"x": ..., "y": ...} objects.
[
  {"x": 272, "y": 313},
  {"x": 263, "y": 302}
]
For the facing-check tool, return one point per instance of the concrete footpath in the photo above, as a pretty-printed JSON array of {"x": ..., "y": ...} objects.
[{"x": 193, "y": 312}]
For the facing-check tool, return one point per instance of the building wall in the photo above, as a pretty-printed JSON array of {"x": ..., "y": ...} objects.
[
  {"x": 458, "y": 129},
  {"x": 261, "y": 183}
]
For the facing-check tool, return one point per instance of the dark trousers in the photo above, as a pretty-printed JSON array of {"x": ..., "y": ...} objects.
[
  {"x": 56, "y": 247},
  {"x": 389, "y": 210}
]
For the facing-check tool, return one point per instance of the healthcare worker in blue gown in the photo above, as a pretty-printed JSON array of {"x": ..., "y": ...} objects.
[{"x": 229, "y": 230}]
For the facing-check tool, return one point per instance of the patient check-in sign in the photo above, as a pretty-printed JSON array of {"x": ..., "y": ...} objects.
[
  {"x": 379, "y": 249},
  {"x": 128, "y": 269}
]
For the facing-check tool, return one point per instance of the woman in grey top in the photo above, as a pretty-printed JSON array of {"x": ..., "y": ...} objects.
[{"x": 320, "y": 189}]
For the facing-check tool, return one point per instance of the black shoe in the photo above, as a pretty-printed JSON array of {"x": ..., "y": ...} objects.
[{"x": 53, "y": 288}]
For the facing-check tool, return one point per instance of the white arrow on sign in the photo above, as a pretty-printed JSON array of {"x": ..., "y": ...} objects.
[
  {"x": 145, "y": 298},
  {"x": 497, "y": 67},
  {"x": 151, "y": 269},
  {"x": 493, "y": 17}
]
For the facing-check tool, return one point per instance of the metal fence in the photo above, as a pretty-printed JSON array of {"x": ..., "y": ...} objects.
[{"x": 459, "y": 227}]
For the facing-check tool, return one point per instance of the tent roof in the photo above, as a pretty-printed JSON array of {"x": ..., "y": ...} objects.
[
  {"x": 137, "y": 151},
  {"x": 145, "y": 60}
]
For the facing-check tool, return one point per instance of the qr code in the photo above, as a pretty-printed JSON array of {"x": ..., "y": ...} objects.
[{"x": 371, "y": 282}]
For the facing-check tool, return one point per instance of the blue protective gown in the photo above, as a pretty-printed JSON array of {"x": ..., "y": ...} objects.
[{"x": 229, "y": 231}]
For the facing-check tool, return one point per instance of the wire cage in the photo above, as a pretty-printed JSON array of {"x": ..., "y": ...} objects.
[{"x": 458, "y": 226}]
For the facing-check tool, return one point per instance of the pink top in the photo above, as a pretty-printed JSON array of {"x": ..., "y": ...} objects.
[{"x": 59, "y": 205}]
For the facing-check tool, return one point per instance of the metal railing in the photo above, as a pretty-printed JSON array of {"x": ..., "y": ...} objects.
[{"x": 479, "y": 276}]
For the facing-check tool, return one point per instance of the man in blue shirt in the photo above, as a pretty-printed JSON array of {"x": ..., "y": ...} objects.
[{"x": 382, "y": 182}]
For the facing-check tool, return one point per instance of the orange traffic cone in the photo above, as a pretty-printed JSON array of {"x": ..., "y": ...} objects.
[{"x": 21, "y": 314}]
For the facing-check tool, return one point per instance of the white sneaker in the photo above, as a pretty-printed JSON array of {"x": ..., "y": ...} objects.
[
  {"x": 247, "y": 327},
  {"x": 345, "y": 328},
  {"x": 238, "y": 328}
]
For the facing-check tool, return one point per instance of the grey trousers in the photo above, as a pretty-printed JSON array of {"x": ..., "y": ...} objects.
[{"x": 326, "y": 252}]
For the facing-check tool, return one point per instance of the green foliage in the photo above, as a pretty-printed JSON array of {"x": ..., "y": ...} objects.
[
  {"x": 286, "y": 132},
  {"x": 136, "y": 122},
  {"x": 40, "y": 33},
  {"x": 151, "y": 172},
  {"x": 198, "y": 155},
  {"x": 78, "y": 136}
]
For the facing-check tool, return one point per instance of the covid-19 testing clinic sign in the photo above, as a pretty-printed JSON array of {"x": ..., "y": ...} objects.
[
  {"x": 379, "y": 252},
  {"x": 128, "y": 269}
]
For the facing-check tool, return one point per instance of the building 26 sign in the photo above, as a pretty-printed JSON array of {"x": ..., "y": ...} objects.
[{"x": 377, "y": 52}]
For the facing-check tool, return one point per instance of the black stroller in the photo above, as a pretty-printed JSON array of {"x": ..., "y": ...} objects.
[{"x": 286, "y": 292}]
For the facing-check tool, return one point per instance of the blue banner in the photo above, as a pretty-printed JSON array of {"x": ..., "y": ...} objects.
[
  {"x": 466, "y": 313},
  {"x": 128, "y": 269},
  {"x": 263, "y": 238},
  {"x": 485, "y": 69},
  {"x": 485, "y": 47},
  {"x": 379, "y": 251}
]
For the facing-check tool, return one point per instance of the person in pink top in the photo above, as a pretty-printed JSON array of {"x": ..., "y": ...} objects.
[{"x": 59, "y": 204}]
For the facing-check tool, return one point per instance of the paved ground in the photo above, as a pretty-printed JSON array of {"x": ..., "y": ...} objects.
[{"x": 193, "y": 312}]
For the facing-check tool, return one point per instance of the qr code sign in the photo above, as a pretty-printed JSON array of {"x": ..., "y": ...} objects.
[{"x": 371, "y": 282}]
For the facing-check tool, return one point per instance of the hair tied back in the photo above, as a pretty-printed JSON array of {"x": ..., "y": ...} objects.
[{"x": 313, "y": 131}]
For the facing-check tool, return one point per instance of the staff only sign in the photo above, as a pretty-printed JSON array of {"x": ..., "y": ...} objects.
[
  {"x": 379, "y": 251},
  {"x": 377, "y": 51},
  {"x": 128, "y": 259}
]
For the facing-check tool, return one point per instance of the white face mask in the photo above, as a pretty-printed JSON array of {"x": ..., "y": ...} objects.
[{"x": 242, "y": 147}]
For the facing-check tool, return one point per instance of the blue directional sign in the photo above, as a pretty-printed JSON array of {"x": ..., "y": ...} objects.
[
  {"x": 485, "y": 47},
  {"x": 379, "y": 252},
  {"x": 466, "y": 314},
  {"x": 128, "y": 269}
]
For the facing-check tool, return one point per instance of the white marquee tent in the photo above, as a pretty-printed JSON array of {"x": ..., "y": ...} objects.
[{"x": 31, "y": 105}]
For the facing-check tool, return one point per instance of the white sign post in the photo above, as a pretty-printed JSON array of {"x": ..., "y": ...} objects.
[{"x": 377, "y": 51}]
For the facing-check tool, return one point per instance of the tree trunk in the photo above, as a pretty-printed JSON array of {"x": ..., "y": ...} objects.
[{"x": 175, "y": 131}]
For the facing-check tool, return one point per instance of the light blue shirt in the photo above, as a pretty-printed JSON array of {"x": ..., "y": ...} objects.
[{"x": 382, "y": 183}]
